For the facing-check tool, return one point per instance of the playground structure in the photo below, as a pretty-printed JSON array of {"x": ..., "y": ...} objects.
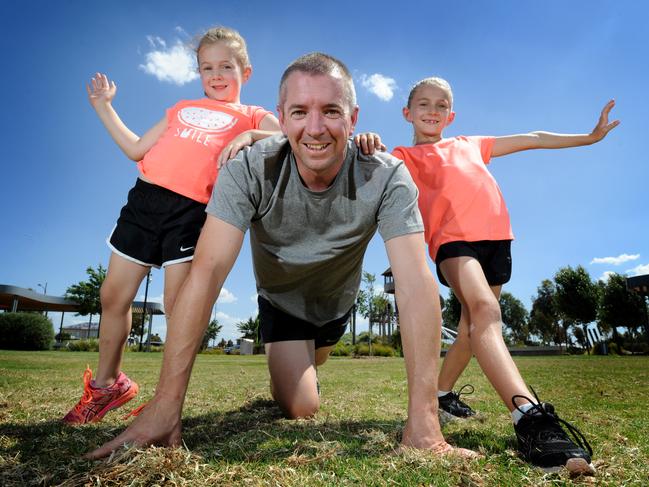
[{"x": 448, "y": 335}]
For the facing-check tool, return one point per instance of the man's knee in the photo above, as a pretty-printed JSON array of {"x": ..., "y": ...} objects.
[{"x": 300, "y": 407}]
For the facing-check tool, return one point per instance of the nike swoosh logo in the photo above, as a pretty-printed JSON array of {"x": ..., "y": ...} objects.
[{"x": 185, "y": 249}]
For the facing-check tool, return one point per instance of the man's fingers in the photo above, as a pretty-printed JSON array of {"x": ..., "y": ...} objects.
[{"x": 106, "y": 449}]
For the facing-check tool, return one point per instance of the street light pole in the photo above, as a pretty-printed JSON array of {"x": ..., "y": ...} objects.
[
  {"x": 44, "y": 291},
  {"x": 146, "y": 295}
]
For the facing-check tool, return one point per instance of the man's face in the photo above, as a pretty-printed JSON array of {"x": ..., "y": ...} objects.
[{"x": 317, "y": 120}]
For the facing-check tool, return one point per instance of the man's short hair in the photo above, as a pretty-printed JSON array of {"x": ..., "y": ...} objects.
[{"x": 318, "y": 63}]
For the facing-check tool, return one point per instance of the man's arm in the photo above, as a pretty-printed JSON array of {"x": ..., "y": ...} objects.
[
  {"x": 160, "y": 421},
  {"x": 420, "y": 322},
  {"x": 547, "y": 140}
]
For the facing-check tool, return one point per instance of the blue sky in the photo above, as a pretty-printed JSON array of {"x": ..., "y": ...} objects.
[{"x": 514, "y": 67}]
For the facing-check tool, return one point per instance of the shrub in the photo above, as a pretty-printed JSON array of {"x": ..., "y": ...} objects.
[
  {"x": 378, "y": 350},
  {"x": 91, "y": 345},
  {"x": 136, "y": 348},
  {"x": 62, "y": 337},
  {"x": 212, "y": 351},
  {"x": 25, "y": 331},
  {"x": 341, "y": 350}
]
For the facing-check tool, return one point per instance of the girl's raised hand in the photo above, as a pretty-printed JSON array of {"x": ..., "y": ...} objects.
[
  {"x": 369, "y": 142},
  {"x": 101, "y": 89},
  {"x": 603, "y": 127}
]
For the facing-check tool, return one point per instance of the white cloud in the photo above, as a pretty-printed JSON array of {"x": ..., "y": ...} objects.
[
  {"x": 229, "y": 331},
  {"x": 605, "y": 276},
  {"x": 181, "y": 31},
  {"x": 155, "y": 41},
  {"x": 379, "y": 85},
  {"x": 639, "y": 270},
  {"x": 620, "y": 259},
  {"x": 253, "y": 298},
  {"x": 175, "y": 64},
  {"x": 226, "y": 297}
]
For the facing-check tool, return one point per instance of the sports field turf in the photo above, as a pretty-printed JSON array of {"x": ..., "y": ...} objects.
[{"x": 234, "y": 435}]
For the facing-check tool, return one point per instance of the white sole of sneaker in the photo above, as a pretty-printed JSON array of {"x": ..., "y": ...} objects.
[
  {"x": 579, "y": 466},
  {"x": 576, "y": 466}
]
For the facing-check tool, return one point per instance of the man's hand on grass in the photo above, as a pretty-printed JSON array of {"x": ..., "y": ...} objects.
[{"x": 159, "y": 424}]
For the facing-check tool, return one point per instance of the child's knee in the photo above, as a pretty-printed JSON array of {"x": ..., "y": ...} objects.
[
  {"x": 169, "y": 305},
  {"x": 112, "y": 299},
  {"x": 484, "y": 311}
]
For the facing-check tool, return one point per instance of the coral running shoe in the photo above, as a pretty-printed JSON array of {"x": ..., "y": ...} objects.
[{"x": 97, "y": 401}]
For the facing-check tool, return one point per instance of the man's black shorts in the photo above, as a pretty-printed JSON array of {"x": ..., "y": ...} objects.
[
  {"x": 157, "y": 227},
  {"x": 278, "y": 326},
  {"x": 495, "y": 258}
]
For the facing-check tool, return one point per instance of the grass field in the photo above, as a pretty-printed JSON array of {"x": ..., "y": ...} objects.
[{"x": 234, "y": 435}]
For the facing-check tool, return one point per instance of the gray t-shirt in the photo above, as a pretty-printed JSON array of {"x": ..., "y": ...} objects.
[{"x": 307, "y": 246}]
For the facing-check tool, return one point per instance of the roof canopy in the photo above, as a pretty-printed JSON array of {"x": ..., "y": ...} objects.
[{"x": 22, "y": 299}]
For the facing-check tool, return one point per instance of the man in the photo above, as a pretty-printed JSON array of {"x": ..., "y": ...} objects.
[{"x": 312, "y": 203}]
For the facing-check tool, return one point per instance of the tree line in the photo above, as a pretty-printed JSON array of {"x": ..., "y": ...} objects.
[{"x": 563, "y": 308}]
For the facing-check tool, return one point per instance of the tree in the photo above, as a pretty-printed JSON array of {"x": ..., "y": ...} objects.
[
  {"x": 86, "y": 293},
  {"x": 514, "y": 317},
  {"x": 452, "y": 310},
  {"x": 618, "y": 307},
  {"x": 250, "y": 328},
  {"x": 213, "y": 329},
  {"x": 222, "y": 343},
  {"x": 577, "y": 297},
  {"x": 137, "y": 325},
  {"x": 375, "y": 307},
  {"x": 544, "y": 317}
]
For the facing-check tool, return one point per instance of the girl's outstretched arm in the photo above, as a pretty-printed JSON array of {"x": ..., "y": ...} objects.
[
  {"x": 547, "y": 140},
  {"x": 101, "y": 95}
]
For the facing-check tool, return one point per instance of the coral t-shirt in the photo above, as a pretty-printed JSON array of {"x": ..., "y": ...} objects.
[
  {"x": 459, "y": 199},
  {"x": 184, "y": 158}
]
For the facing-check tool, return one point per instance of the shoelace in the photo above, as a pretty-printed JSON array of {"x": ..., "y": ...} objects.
[
  {"x": 461, "y": 391},
  {"x": 87, "y": 393},
  {"x": 136, "y": 411},
  {"x": 546, "y": 411}
]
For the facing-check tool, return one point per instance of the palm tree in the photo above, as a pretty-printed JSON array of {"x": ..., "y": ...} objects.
[{"x": 250, "y": 328}]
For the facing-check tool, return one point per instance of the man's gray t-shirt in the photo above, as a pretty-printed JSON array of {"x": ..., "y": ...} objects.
[{"x": 308, "y": 247}]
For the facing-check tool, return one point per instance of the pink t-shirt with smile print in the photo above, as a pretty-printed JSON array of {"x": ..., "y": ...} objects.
[
  {"x": 184, "y": 158},
  {"x": 459, "y": 199}
]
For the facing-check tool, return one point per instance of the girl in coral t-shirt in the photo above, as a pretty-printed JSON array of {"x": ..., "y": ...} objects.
[
  {"x": 468, "y": 232},
  {"x": 165, "y": 211}
]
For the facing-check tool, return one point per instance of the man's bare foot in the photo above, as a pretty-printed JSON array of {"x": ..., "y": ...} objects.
[{"x": 443, "y": 449}]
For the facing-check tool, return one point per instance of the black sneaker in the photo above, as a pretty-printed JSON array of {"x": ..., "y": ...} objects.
[
  {"x": 543, "y": 442},
  {"x": 452, "y": 404}
]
